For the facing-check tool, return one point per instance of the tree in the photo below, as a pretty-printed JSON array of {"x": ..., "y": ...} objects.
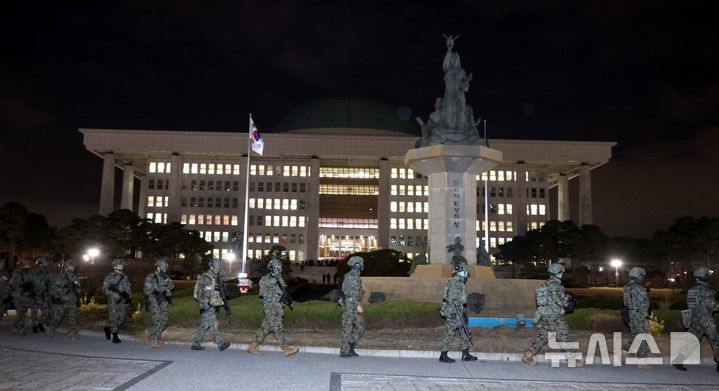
[
  {"x": 24, "y": 234},
  {"x": 380, "y": 263}
]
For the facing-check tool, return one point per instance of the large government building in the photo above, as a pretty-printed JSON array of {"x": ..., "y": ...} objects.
[{"x": 331, "y": 181}]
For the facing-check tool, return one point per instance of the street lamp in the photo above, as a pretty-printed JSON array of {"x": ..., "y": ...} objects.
[
  {"x": 230, "y": 258},
  {"x": 90, "y": 255},
  {"x": 616, "y": 263}
]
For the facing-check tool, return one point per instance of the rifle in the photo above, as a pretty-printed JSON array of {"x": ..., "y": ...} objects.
[
  {"x": 124, "y": 296},
  {"x": 571, "y": 303},
  {"x": 462, "y": 322},
  {"x": 223, "y": 294},
  {"x": 285, "y": 298}
]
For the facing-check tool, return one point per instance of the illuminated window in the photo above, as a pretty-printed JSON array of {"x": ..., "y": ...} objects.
[
  {"x": 401, "y": 207},
  {"x": 303, "y": 170},
  {"x": 401, "y": 223},
  {"x": 186, "y": 168},
  {"x": 191, "y": 221},
  {"x": 285, "y": 221},
  {"x": 286, "y": 171},
  {"x": 508, "y": 175},
  {"x": 251, "y": 203},
  {"x": 234, "y": 219},
  {"x": 193, "y": 168},
  {"x": 293, "y": 204},
  {"x": 260, "y": 203},
  {"x": 218, "y": 171},
  {"x": 225, "y": 237},
  {"x": 151, "y": 201},
  {"x": 293, "y": 221},
  {"x": 492, "y": 226},
  {"x": 203, "y": 168},
  {"x": 276, "y": 221},
  {"x": 277, "y": 204},
  {"x": 426, "y": 206},
  {"x": 426, "y": 224},
  {"x": 410, "y": 207},
  {"x": 500, "y": 209},
  {"x": 295, "y": 171},
  {"x": 393, "y": 206},
  {"x": 253, "y": 169},
  {"x": 533, "y": 209},
  {"x": 509, "y": 209},
  {"x": 410, "y": 224},
  {"x": 401, "y": 173},
  {"x": 401, "y": 190},
  {"x": 426, "y": 190},
  {"x": 500, "y": 175},
  {"x": 268, "y": 221},
  {"x": 153, "y": 167},
  {"x": 477, "y": 225},
  {"x": 493, "y": 175},
  {"x": 492, "y": 242},
  {"x": 235, "y": 169},
  {"x": 200, "y": 219},
  {"x": 500, "y": 226},
  {"x": 484, "y": 225},
  {"x": 301, "y": 221},
  {"x": 285, "y": 204},
  {"x": 268, "y": 203},
  {"x": 393, "y": 173},
  {"x": 418, "y": 207},
  {"x": 348, "y": 172},
  {"x": 183, "y": 219},
  {"x": 418, "y": 225},
  {"x": 410, "y": 173},
  {"x": 226, "y": 220},
  {"x": 542, "y": 209},
  {"x": 410, "y": 190},
  {"x": 269, "y": 170},
  {"x": 393, "y": 190}
]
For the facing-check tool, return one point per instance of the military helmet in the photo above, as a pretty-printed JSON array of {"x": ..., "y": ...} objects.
[
  {"x": 116, "y": 262},
  {"x": 273, "y": 264},
  {"x": 41, "y": 261},
  {"x": 637, "y": 272},
  {"x": 214, "y": 262},
  {"x": 68, "y": 263},
  {"x": 25, "y": 263},
  {"x": 555, "y": 268},
  {"x": 355, "y": 260},
  {"x": 162, "y": 264},
  {"x": 702, "y": 272}
]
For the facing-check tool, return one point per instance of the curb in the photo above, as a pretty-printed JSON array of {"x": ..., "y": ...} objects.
[{"x": 388, "y": 353}]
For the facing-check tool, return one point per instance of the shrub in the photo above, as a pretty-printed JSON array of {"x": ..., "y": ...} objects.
[
  {"x": 380, "y": 263},
  {"x": 656, "y": 326}
]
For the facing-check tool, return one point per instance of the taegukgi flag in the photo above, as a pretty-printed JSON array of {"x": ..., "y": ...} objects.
[{"x": 257, "y": 143}]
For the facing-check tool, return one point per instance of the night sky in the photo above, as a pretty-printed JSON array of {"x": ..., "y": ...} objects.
[{"x": 643, "y": 74}]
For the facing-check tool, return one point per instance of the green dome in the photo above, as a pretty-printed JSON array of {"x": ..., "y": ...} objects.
[{"x": 349, "y": 113}]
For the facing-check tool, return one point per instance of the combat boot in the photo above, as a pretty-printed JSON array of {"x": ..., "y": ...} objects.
[
  {"x": 528, "y": 358},
  {"x": 290, "y": 351},
  {"x": 466, "y": 356},
  {"x": 115, "y": 339},
  {"x": 443, "y": 357},
  {"x": 148, "y": 337},
  {"x": 157, "y": 344},
  {"x": 352, "y": 351},
  {"x": 224, "y": 345},
  {"x": 41, "y": 327},
  {"x": 107, "y": 332},
  {"x": 197, "y": 347},
  {"x": 681, "y": 367},
  {"x": 34, "y": 329},
  {"x": 254, "y": 348}
]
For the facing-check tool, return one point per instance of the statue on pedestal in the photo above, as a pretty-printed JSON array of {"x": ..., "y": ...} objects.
[
  {"x": 482, "y": 255},
  {"x": 420, "y": 259},
  {"x": 452, "y": 121}
]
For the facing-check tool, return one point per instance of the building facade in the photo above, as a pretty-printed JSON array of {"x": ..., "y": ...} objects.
[{"x": 327, "y": 192}]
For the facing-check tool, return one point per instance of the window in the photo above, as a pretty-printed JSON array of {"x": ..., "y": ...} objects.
[
  {"x": 201, "y": 202},
  {"x": 226, "y": 220},
  {"x": 235, "y": 186},
  {"x": 203, "y": 168},
  {"x": 193, "y": 185},
  {"x": 186, "y": 168},
  {"x": 509, "y": 209},
  {"x": 193, "y": 168},
  {"x": 235, "y": 203},
  {"x": 285, "y": 204},
  {"x": 301, "y": 221},
  {"x": 401, "y": 173},
  {"x": 235, "y": 169},
  {"x": 393, "y": 173},
  {"x": 153, "y": 167},
  {"x": 294, "y": 187},
  {"x": 260, "y": 186},
  {"x": 151, "y": 184},
  {"x": 541, "y": 193},
  {"x": 286, "y": 171},
  {"x": 542, "y": 209},
  {"x": 393, "y": 206},
  {"x": 410, "y": 190},
  {"x": 302, "y": 204},
  {"x": 200, "y": 219},
  {"x": 261, "y": 169},
  {"x": 276, "y": 221},
  {"x": 286, "y": 187},
  {"x": 293, "y": 221},
  {"x": 202, "y": 185},
  {"x": 219, "y": 169},
  {"x": 293, "y": 204},
  {"x": 285, "y": 221},
  {"x": 393, "y": 190},
  {"x": 303, "y": 172},
  {"x": 277, "y": 204},
  {"x": 302, "y": 187},
  {"x": 401, "y": 190},
  {"x": 227, "y": 203},
  {"x": 218, "y": 202}
]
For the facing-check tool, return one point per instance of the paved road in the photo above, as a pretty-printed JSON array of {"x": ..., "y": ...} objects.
[{"x": 40, "y": 363}]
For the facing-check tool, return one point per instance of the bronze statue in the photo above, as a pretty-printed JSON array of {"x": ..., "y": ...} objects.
[
  {"x": 457, "y": 248},
  {"x": 420, "y": 259}
]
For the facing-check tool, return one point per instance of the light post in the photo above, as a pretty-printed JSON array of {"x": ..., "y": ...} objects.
[
  {"x": 616, "y": 263},
  {"x": 90, "y": 255},
  {"x": 230, "y": 258}
]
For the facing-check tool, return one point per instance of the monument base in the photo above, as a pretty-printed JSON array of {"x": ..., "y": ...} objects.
[{"x": 435, "y": 271}]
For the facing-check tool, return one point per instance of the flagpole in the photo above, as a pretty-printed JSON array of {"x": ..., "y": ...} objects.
[
  {"x": 486, "y": 199},
  {"x": 247, "y": 193}
]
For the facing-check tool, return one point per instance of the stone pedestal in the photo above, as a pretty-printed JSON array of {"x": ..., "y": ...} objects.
[
  {"x": 436, "y": 270},
  {"x": 452, "y": 171}
]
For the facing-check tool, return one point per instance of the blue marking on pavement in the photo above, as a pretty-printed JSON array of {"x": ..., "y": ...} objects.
[{"x": 495, "y": 322}]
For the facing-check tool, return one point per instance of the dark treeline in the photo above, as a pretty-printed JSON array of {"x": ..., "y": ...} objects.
[{"x": 669, "y": 254}]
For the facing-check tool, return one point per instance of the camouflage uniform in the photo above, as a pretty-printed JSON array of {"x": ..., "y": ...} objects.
[
  {"x": 22, "y": 294},
  {"x": 352, "y": 320},
  {"x": 4, "y": 287},
  {"x": 551, "y": 315},
  {"x": 65, "y": 299},
  {"x": 272, "y": 323},
  {"x": 116, "y": 285},
  {"x": 206, "y": 286},
  {"x": 455, "y": 298},
  {"x": 158, "y": 289},
  {"x": 703, "y": 323},
  {"x": 637, "y": 302},
  {"x": 41, "y": 284}
]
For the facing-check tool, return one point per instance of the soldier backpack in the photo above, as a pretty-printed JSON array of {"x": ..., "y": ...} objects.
[{"x": 542, "y": 294}]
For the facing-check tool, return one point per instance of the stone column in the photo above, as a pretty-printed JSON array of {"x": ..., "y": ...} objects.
[
  {"x": 383, "y": 205},
  {"x": 520, "y": 207},
  {"x": 128, "y": 183},
  {"x": 313, "y": 209},
  {"x": 452, "y": 194},
  {"x": 175, "y": 196},
  {"x": 107, "y": 191},
  {"x": 563, "y": 198},
  {"x": 585, "y": 195},
  {"x": 142, "y": 205}
]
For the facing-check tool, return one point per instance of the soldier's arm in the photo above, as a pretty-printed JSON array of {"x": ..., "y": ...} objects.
[
  {"x": 149, "y": 286},
  {"x": 203, "y": 298},
  {"x": 169, "y": 285},
  {"x": 642, "y": 299}
]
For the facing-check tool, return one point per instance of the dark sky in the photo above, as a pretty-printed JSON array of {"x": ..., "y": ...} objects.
[{"x": 643, "y": 74}]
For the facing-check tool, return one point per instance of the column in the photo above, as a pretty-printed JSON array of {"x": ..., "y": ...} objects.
[
  {"x": 175, "y": 196},
  {"x": 107, "y": 190},
  {"x": 520, "y": 208},
  {"x": 142, "y": 205},
  {"x": 585, "y": 195},
  {"x": 383, "y": 201},
  {"x": 563, "y": 198},
  {"x": 313, "y": 209},
  {"x": 128, "y": 182}
]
